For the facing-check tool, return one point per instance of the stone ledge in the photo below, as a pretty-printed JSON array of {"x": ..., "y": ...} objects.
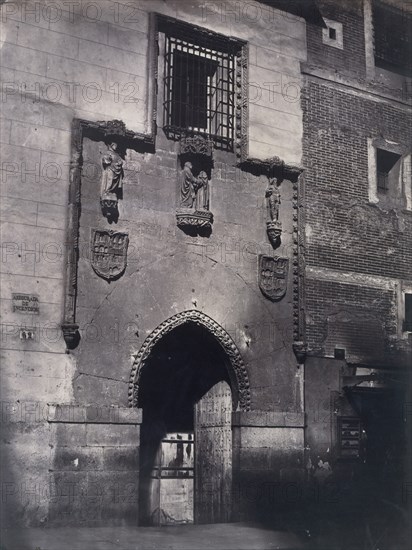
[
  {"x": 93, "y": 414},
  {"x": 268, "y": 419}
]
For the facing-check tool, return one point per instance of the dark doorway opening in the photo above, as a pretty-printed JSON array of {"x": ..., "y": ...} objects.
[{"x": 185, "y": 396}]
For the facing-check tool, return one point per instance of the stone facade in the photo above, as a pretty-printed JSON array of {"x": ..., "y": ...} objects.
[
  {"x": 76, "y": 373},
  {"x": 67, "y": 74}
]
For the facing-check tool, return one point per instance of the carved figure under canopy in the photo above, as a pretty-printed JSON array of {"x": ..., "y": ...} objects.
[
  {"x": 112, "y": 177},
  {"x": 202, "y": 195},
  {"x": 272, "y": 195},
  {"x": 194, "y": 192}
]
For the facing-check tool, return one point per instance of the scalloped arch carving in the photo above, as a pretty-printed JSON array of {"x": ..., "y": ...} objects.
[{"x": 237, "y": 371}]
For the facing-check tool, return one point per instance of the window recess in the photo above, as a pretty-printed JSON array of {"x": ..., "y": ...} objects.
[{"x": 204, "y": 85}]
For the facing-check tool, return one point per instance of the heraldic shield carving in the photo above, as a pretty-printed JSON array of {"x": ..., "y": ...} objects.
[
  {"x": 273, "y": 276},
  {"x": 109, "y": 253}
]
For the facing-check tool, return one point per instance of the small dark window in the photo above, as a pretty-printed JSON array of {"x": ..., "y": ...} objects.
[
  {"x": 387, "y": 168},
  {"x": 407, "y": 323},
  {"x": 332, "y": 33}
]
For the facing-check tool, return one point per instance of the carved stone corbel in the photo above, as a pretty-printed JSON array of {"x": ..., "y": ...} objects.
[
  {"x": 300, "y": 351},
  {"x": 71, "y": 335}
]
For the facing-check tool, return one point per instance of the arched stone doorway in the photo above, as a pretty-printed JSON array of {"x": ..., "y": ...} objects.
[{"x": 187, "y": 378}]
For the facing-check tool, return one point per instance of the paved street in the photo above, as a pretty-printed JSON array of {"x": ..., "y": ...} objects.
[{"x": 189, "y": 537}]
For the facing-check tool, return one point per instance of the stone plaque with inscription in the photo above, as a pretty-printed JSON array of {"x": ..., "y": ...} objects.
[{"x": 25, "y": 303}]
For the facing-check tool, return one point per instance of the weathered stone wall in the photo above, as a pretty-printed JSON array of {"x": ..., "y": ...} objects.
[
  {"x": 90, "y": 62},
  {"x": 268, "y": 460},
  {"x": 219, "y": 278},
  {"x": 95, "y": 465}
]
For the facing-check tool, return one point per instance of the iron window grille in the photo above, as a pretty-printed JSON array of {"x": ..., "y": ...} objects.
[{"x": 202, "y": 76}]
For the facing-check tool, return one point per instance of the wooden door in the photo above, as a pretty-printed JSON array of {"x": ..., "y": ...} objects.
[{"x": 213, "y": 456}]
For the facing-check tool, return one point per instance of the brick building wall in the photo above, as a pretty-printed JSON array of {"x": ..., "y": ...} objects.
[
  {"x": 345, "y": 231},
  {"x": 351, "y": 58},
  {"x": 358, "y": 247}
]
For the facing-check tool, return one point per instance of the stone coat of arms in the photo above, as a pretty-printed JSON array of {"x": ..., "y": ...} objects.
[
  {"x": 273, "y": 276},
  {"x": 109, "y": 253}
]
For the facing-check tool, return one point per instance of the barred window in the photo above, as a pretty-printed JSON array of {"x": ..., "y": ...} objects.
[
  {"x": 201, "y": 75},
  {"x": 393, "y": 38}
]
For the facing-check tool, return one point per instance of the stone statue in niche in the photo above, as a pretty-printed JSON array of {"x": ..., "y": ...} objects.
[
  {"x": 193, "y": 214},
  {"x": 273, "y": 199},
  {"x": 273, "y": 225},
  {"x": 202, "y": 195},
  {"x": 188, "y": 186},
  {"x": 112, "y": 182},
  {"x": 194, "y": 192}
]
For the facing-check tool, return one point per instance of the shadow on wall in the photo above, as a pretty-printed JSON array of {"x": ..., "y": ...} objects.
[{"x": 20, "y": 497}]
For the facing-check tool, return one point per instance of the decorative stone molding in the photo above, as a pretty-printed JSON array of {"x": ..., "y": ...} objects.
[
  {"x": 273, "y": 167},
  {"x": 299, "y": 349},
  {"x": 299, "y": 331},
  {"x": 93, "y": 414},
  {"x": 242, "y": 104},
  {"x": 109, "y": 208},
  {"x": 196, "y": 219},
  {"x": 237, "y": 371},
  {"x": 117, "y": 129},
  {"x": 268, "y": 419},
  {"x": 71, "y": 335},
  {"x": 101, "y": 131},
  {"x": 196, "y": 145},
  {"x": 274, "y": 232}
]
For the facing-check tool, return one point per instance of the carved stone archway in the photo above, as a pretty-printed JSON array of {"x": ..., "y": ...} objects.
[{"x": 237, "y": 370}]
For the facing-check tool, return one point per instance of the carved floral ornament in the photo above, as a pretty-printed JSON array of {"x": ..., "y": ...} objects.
[{"x": 237, "y": 373}]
